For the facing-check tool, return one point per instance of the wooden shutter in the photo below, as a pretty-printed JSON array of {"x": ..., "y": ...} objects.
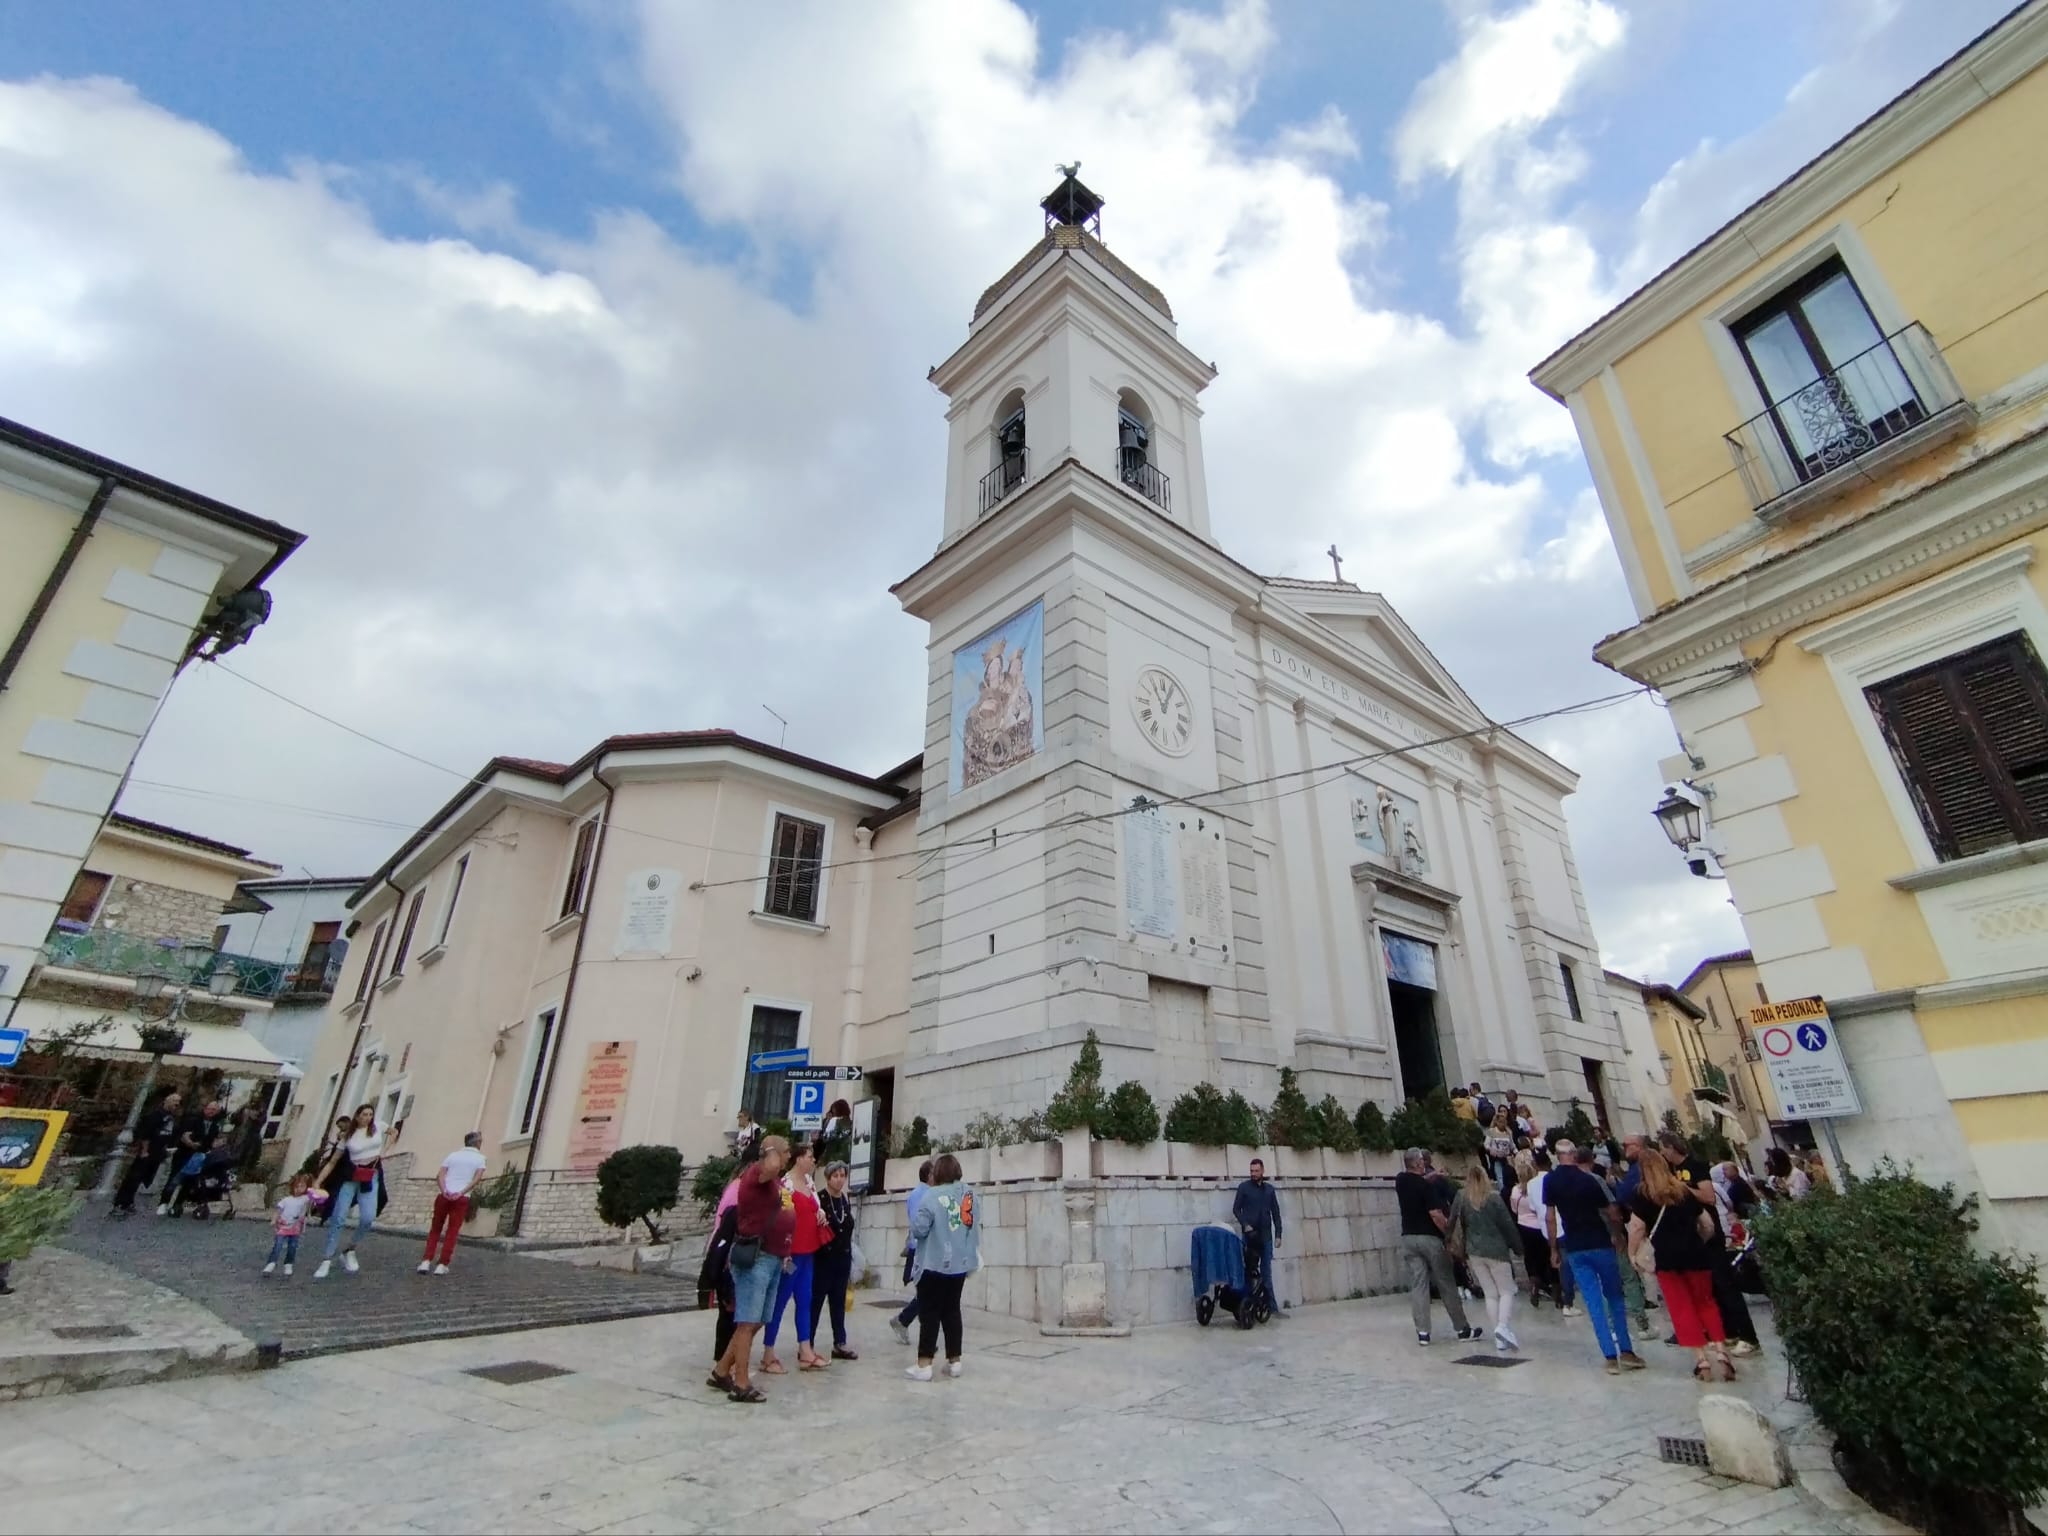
[
  {"x": 412, "y": 921},
  {"x": 87, "y": 887},
  {"x": 579, "y": 867},
  {"x": 1970, "y": 737},
  {"x": 369, "y": 971},
  {"x": 795, "y": 867}
]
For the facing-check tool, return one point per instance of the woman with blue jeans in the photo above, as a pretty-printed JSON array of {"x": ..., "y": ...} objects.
[
  {"x": 364, "y": 1153},
  {"x": 809, "y": 1233},
  {"x": 762, "y": 1230}
]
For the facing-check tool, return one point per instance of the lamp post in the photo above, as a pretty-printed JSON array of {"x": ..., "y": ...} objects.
[
  {"x": 1680, "y": 814},
  {"x": 150, "y": 985}
]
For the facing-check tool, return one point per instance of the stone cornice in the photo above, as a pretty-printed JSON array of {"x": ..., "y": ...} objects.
[{"x": 1998, "y": 497}]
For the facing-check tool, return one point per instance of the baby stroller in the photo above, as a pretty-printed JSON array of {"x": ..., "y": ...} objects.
[
  {"x": 215, "y": 1180},
  {"x": 1229, "y": 1273}
]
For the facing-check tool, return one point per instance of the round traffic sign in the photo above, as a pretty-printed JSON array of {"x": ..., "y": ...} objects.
[
  {"x": 1812, "y": 1038},
  {"x": 1778, "y": 1041}
]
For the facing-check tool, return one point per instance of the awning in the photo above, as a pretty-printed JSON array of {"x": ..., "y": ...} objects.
[{"x": 229, "y": 1047}]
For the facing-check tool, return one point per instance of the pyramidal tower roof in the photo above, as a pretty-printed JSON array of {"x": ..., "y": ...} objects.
[{"x": 1073, "y": 222}]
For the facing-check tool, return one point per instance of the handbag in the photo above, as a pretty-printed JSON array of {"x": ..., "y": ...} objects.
[
  {"x": 1454, "y": 1235},
  {"x": 1645, "y": 1257},
  {"x": 744, "y": 1254}
]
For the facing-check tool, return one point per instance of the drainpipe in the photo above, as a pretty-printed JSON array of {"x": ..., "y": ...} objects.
[
  {"x": 54, "y": 582},
  {"x": 547, "y": 1087}
]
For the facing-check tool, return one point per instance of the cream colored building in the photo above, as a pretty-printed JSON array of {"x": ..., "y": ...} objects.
[
  {"x": 1639, "y": 1009},
  {"x": 1228, "y": 822},
  {"x": 1821, "y": 442},
  {"x": 110, "y": 581}
]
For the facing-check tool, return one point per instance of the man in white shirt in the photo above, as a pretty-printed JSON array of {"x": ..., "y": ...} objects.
[{"x": 461, "y": 1171}]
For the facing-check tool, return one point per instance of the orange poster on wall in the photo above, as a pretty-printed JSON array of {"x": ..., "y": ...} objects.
[{"x": 601, "y": 1104}]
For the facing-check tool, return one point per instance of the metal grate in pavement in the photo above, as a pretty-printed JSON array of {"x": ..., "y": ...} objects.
[
  {"x": 517, "y": 1373},
  {"x": 1492, "y": 1362},
  {"x": 81, "y": 1331},
  {"x": 1685, "y": 1451}
]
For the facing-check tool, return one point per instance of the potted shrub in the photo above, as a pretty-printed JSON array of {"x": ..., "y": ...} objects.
[
  {"x": 161, "y": 1039},
  {"x": 1294, "y": 1132},
  {"x": 1076, "y": 1109},
  {"x": 1376, "y": 1141},
  {"x": 1341, "y": 1157},
  {"x": 638, "y": 1184},
  {"x": 1244, "y": 1131},
  {"x": 913, "y": 1145},
  {"x": 1130, "y": 1146},
  {"x": 1196, "y": 1134}
]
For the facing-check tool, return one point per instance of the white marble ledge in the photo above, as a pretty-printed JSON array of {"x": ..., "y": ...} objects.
[{"x": 1992, "y": 862}]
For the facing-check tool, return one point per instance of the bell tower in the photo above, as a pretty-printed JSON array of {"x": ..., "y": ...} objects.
[{"x": 1085, "y": 857}]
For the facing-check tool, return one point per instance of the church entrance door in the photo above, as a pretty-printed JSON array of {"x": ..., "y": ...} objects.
[{"x": 1415, "y": 1038}]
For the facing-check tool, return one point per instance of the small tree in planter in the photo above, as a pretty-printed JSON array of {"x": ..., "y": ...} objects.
[
  {"x": 1079, "y": 1105},
  {"x": 1333, "y": 1127},
  {"x": 707, "y": 1185},
  {"x": 1371, "y": 1125},
  {"x": 637, "y": 1184},
  {"x": 1130, "y": 1116},
  {"x": 1242, "y": 1125},
  {"x": 1578, "y": 1126},
  {"x": 1200, "y": 1117},
  {"x": 1291, "y": 1123},
  {"x": 917, "y": 1141}
]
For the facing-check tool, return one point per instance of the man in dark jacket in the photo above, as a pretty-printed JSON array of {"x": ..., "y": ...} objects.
[
  {"x": 1257, "y": 1213},
  {"x": 156, "y": 1134}
]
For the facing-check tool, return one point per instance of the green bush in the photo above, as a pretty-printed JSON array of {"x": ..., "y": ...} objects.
[
  {"x": 1333, "y": 1127},
  {"x": 1928, "y": 1359},
  {"x": 707, "y": 1185},
  {"x": 917, "y": 1141},
  {"x": 1242, "y": 1126},
  {"x": 1430, "y": 1123},
  {"x": 1578, "y": 1127},
  {"x": 1129, "y": 1115},
  {"x": 1290, "y": 1122},
  {"x": 500, "y": 1192},
  {"x": 1078, "y": 1105},
  {"x": 637, "y": 1184},
  {"x": 1198, "y": 1118},
  {"x": 30, "y": 1216},
  {"x": 1710, "y": 1145},
  {"x": 1371, "y": 1125}
]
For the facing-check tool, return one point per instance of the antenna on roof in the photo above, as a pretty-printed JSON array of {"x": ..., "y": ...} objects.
[{"x": 784, "y": 736}]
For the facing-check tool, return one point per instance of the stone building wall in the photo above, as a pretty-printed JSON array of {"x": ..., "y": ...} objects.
[
  {"x": 159, "y": 911},
  {"x": 1342, "y": 1238}
]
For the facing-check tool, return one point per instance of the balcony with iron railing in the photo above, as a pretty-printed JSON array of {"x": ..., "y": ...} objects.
[
  {"x": 1888, "y": 402},
  {"x": 186, "y": 963},
  {"x": 1012, "y": 472},
  {"x": 1137, "y": 472}
]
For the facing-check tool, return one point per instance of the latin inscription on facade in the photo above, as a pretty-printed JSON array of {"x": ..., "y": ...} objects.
[{"x": 1399, "y": 726}]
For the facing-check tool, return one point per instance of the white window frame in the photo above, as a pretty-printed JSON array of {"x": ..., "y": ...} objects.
[
  {"x": 396, "y": 1092},
  {"x": 444, "y": 927},
  {"x": 748, "y": 1003},
  {"x": 533, "y": 1062},
  {"x": 816, "y": 817},
  {"x": 581, "y": 906},
  {"x": 1954, "y": 612},
  {"x": 359, "y": 1081}
]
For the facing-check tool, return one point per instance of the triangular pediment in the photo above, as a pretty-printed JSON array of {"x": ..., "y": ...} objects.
[{"x": 1368, "y": 624}]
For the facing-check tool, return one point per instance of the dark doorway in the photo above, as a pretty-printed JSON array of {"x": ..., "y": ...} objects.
[
  {"x": 1596, "y": 1087},
  {"x": 1415, "y": 1038}
]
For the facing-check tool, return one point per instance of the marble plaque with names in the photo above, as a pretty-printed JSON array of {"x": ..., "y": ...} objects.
[
  {"x": 1150, "y": 899},
  {"x": 1204, "y": 886}
]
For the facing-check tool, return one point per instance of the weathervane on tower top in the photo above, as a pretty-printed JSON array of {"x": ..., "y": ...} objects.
[{"x": 1073, "y": 204}]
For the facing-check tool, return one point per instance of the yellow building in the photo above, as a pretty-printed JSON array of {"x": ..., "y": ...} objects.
[
  {"x": 110, "y": 581},
  {"x": 1821, "y": 442},
  {"x": 1723, "y": 1058}
]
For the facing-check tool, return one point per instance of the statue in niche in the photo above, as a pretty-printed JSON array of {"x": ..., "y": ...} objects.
[
  {"x": 1393, "y": 825},
  {"x": 1413, "y": 860},
  {"x": 1390, "y": 826}
]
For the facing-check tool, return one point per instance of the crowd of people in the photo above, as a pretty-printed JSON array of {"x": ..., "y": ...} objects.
[{"x": 782, "y": 1243}]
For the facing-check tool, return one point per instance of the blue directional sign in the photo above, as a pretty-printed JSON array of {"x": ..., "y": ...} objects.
[
  {"x": 806, "y": 1106},
  {"x": 1812, "y": 1037},
  {"x": 776, "y": 1061},
  {"x": 12, "y": 1043}
]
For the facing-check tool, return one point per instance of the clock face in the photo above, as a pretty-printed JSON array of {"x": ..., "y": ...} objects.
[{"x": 1164, "y": 712}]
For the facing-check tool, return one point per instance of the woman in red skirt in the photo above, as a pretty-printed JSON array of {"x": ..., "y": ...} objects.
[{"x": 1665, "y": 1236}]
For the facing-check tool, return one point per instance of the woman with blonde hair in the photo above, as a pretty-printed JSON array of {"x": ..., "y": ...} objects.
[
  {"x": 1671, "y": 1235},
  {"x": 1481, "y": 1217}
]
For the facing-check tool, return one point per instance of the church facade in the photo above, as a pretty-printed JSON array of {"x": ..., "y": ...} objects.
[{"x": 1229, "y": 822}]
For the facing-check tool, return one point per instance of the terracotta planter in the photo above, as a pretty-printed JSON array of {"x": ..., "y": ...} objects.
[
  {"x": 1122, "y": 1160},
  {"x": 1026, "y": 1160},
  {"x": 1186, "y": 1161}
]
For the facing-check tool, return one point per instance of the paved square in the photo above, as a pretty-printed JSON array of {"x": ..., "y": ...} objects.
[
  {"x": 219, "y": 1264},
  {"x": 1331, "y": 1421}
]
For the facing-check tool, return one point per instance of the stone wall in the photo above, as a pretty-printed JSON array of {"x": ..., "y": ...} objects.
[
  {"x": 1341, "y": 1239},
  {"x": 159, "y": 911}
]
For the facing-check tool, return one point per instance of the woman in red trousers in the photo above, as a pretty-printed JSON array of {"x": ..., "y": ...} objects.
[{"x": 1664, "y": 1232}]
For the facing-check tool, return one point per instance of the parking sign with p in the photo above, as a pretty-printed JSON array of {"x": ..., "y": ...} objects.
[{"x": 806, "y": 1105}]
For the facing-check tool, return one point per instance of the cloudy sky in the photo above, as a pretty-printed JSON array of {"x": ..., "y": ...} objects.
[{"x": 587, "y": 343}]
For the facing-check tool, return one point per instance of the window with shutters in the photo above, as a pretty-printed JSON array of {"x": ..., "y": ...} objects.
[
  {"x": 82, "y": 905},
  {"x": 412, "y": 921},
  {"x": 1970, "y": 737},
  {"x": 796, "y": 869},
  {"x": 369, "y": 971}
]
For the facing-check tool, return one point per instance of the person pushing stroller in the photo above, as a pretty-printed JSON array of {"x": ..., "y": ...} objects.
[{"x": 1256, "y": 1210}]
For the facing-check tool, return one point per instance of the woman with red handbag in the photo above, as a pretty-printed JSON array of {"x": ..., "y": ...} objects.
[{"x": 364, "y": 1150}]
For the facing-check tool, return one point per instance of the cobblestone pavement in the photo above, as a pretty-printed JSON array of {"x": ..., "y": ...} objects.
[
  {"x": 1331, "y": 1421},
  {"x": 116, "y": 1325},
  {"x": 219, "y": 1265}
]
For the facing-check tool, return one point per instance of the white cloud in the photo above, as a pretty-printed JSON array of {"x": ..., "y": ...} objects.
[{"x": 563, "y": 487}]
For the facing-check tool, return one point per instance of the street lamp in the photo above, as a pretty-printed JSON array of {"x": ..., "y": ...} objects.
[
  {"x": 149, "y": 986},
  {"x": 1681, "y": 813}
]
